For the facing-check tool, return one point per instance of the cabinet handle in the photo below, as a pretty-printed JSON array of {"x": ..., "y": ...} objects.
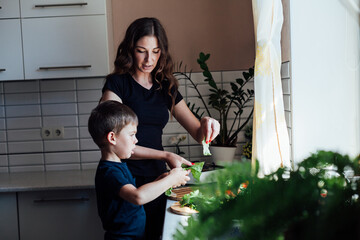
[
  {"x": 2, "y": 69},
  {"x": 44, "y": 200},
  {"x": 60, "y": 5},
  {"x": 0, "y": 7},
  {"x": 64, "y": 67}
]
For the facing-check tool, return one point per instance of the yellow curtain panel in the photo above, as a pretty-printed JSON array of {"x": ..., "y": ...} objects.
[{"x": 271, "y": 146}]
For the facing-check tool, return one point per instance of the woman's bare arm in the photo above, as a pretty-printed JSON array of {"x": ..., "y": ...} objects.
[
  {"x": 172, "y": 159},
  {"x": 207, "y": 128},
  {"x": 110, "y": 95}
]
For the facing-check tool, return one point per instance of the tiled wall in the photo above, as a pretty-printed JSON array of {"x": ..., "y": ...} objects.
[
  {"x": 27, "y": 106},
  {"x": 286, "y": 86}
]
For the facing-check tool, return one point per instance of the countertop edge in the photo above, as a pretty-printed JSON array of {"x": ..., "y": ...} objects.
[{"x": 42, "y": 181}]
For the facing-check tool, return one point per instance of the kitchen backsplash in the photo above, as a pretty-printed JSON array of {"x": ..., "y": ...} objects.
[{"x": 28, "y": 106}]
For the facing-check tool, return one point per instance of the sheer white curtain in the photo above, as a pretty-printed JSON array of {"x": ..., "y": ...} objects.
[{"x": 270, "y": 137}]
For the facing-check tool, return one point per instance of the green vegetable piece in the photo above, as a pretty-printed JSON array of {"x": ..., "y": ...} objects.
[
  {"x": 196, "y": 170},
  {"x": 206, "y": 150},
  {"x": 196, "y": 199},
  {"x": 168, "y": 192}
]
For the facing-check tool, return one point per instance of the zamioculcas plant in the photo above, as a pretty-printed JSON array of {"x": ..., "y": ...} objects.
[{"x": 223, "y": 101}]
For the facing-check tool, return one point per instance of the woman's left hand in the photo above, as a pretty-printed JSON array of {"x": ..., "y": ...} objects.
[{"x": 210, "y": 128}]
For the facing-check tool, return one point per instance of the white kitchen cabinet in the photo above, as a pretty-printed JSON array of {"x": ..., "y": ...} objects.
[
  {"x": 8, "y": 217},
  {"x": 51, "y": 8},
  {"x": 59, "y": 215},
  {"x": 9, "y": 9},
  {"x": 65, "y": 47},
  {"x": 53, "y": 39},
  {"x": 11, "y": 58}
]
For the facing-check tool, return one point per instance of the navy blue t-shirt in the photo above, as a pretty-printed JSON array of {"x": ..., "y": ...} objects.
[
  {"x": 152, "y": 108},
  {"x": 120, "y": 219}
]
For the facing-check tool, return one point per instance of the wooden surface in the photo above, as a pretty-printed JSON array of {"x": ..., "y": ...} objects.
[
  {"x": 178, "y": 209},
  {"x": 178, "y": 193}
]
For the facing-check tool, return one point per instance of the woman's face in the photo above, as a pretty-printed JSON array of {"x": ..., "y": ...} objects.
[{"x": 147, "y": 54}]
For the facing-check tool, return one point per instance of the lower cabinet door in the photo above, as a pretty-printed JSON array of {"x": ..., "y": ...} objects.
[
  {"x": 70, "y": 214},
  {"x": 8, "y": 217}
]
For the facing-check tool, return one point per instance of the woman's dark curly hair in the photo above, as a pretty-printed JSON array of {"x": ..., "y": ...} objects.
[{"x": 124, "y": 61}]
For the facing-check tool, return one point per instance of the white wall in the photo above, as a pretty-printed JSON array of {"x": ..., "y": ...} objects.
[{"x": 325, "y": 77}]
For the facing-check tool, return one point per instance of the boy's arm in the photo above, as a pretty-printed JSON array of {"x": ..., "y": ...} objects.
[{"x": 152, "y": 190}]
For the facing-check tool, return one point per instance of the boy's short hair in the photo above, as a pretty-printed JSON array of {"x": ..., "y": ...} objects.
[{"x": 109, "y": 116}]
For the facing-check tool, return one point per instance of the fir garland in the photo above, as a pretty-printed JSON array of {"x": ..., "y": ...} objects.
[{"x": 313, "y": 202}]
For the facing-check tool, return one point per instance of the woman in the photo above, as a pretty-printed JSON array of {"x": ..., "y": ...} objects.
[{"x": 143, "y": 80}]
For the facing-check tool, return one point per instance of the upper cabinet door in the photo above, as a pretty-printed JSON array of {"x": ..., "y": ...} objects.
[
  {"x": 65, "y": 47},
  {"x": 9, "y": 9},
  {"x": 51, "y": 8},
  {"x": 11, "y": 61}
]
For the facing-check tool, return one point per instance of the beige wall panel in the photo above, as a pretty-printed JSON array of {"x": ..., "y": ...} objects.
[
  {"x": 285, "y": 34},
  {"x": 222, "y": 28}
]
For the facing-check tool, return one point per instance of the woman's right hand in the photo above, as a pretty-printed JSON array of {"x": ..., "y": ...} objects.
[
  {"x": 180, "y": 176},
  {"x": 175, "y": 161}
]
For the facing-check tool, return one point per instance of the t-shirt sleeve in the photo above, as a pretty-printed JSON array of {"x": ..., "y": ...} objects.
[
  {"x": 178, "y": 98},
  {"x": 116, "y": 180},
  {"x": 115, "y": 83}
]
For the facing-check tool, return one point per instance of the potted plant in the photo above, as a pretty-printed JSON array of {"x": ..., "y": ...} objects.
[
  {"x": 224, "y": 102},
  {"x": 311, "y": 202}
]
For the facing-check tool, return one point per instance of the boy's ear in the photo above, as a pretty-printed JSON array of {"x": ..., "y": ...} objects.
[{"x": 111, "y": 138}]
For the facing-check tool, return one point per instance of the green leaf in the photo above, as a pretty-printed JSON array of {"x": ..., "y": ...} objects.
[
  {"x": 168, "y": 192},
  {"x": 206, "y": 150},
  {"x": 246, "y": 75},
  {"x": 207, "y": 74},
  {"x": 240, "y": 81},
  {"x": 203, "y": 66},
  {"x": 251, "y": 71},
  {"x": 196, "y": 169},
  {"x": 212, "y": 83},
  {"x": 207, "y": 56},
  {"x": 234, "y": 87}
]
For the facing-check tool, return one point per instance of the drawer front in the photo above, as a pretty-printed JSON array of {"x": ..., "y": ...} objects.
[
  {"x": 51, "y": 8},
  {"x": 11, "y": 62},
  {"x": 9, "y": 9},
  {"x": 65, "y": 47},
  {"x": 8, "y": 216},
  {"x": 59, "y": 215}
]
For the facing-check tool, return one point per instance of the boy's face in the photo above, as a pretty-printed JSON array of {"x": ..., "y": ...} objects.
[{"x": 126, "y": 141}]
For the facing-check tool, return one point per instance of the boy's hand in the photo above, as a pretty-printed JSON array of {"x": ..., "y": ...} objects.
[
  {"x": 175, "y": 161},
  {"x": 180, "y": 176}
]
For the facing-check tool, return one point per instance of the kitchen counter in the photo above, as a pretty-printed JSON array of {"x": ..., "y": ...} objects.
[
  {"x": 172, "y": 221},
  {"x": 53, "y": 180}
]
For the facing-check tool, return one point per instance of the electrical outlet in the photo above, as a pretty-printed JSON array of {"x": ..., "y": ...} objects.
[
  {"x": 52, "y": 132},
  {"x": 58, "y": 132},
  {"x": 46, "y": 133}
]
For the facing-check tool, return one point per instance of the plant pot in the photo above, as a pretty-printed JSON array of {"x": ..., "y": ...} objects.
[{"x": 222, "y": 155}]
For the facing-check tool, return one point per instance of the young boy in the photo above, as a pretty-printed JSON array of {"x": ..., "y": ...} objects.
[{"x": 112, "y": 126}]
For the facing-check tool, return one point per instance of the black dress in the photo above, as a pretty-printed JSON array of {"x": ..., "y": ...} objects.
[{"x": 152, "y": 108}]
